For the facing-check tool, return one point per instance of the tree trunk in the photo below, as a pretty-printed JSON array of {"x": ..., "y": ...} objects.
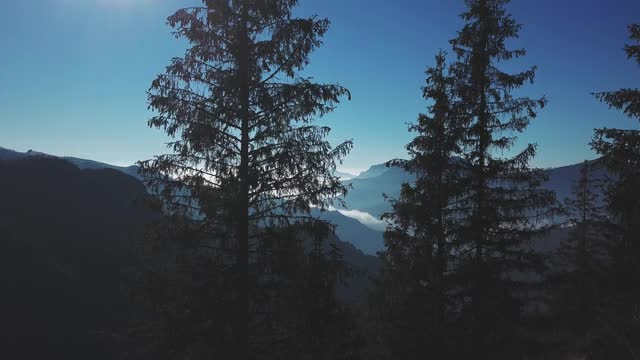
[
  {"x": 480, "y": 231},
  {"x": 242, "y": 260}
]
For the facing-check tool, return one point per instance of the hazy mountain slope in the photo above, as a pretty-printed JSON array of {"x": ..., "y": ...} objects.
[
  {"x": 350, "y": 230},
  {"x": 368, "y": 188},
  {"x": 561, "y": 179}
]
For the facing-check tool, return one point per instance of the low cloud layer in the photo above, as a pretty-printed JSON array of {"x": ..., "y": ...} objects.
[{"x": 364, "y": 217}]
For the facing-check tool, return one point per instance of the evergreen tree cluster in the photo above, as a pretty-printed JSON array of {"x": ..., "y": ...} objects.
[{"x": 239, "y": 268}]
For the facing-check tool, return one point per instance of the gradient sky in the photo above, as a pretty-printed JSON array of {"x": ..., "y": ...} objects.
[{"x": 74, "y": 73}]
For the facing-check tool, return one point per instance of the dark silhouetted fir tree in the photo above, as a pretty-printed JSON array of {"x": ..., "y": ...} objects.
[
  {"x": 245, "y": 165},
  {"x": 620, "y": 155},
  {"x": 503, "y": 206},
  {"x": 414, "y": 289},
  {"x": 579, "y": 265},
  {"x": 328, "y": 330}
]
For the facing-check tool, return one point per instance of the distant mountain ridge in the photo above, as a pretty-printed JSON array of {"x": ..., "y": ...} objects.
[
  {"x": 83, "y": 164},
  {"x": 343, "y": 175},
  {"x": 373, "y": 171}
]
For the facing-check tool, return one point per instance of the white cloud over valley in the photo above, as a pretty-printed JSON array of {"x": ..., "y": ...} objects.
[{"x": 363, "y": 217}]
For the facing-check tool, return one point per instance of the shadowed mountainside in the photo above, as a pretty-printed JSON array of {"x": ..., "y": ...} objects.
[{"x": 65, "y": 236}]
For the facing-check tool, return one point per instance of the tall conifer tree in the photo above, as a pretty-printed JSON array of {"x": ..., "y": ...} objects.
[
  {"x": 246, "y": 159},
  {"x": 502, "y": 196},
  {"x": 577, "y": 279},
  {"x": 620, "y": 151},
  {"x": 421, "y": 227}
]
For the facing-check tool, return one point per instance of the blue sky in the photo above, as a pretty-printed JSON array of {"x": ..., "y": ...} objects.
[{"x": 73, "y": 73}]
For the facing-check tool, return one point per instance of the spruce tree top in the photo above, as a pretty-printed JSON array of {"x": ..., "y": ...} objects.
[{"x": 236, "y": 100}]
